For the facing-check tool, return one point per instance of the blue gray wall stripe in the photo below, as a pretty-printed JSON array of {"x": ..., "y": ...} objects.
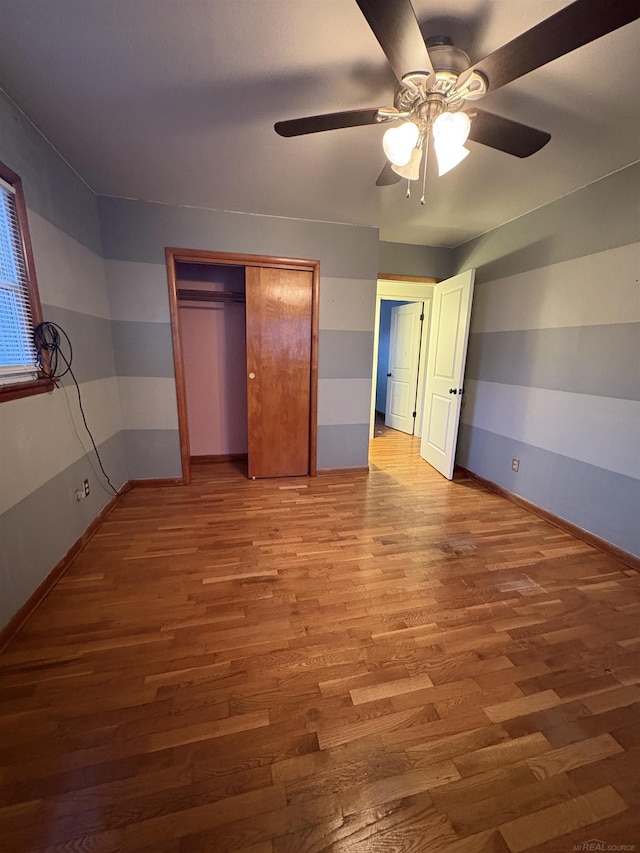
[
  {"x": 596, "y": 360},
  {"x": 344, "y": 354},
  {"x": 143, "y": 349}
]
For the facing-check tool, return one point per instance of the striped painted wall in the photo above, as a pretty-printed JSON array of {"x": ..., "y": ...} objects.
[
  {"x": 43, "y": 445},
  {"x": 144, "y": 364},
  {"x": 135, "y": 235},
  {"x": 553, "y": 369}
]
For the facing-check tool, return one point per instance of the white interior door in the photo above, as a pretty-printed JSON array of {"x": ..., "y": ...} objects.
[
  {"x": 404, "y": 358},
  {"x": 445, "y": 370}
]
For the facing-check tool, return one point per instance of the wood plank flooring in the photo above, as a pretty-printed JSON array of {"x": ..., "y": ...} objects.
[{"x": 355, "y": 664}]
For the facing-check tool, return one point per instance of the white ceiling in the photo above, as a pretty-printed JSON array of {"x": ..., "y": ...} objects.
[{"x": 175, "y": 100}]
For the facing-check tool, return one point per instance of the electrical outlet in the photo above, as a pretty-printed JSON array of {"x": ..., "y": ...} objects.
[
  {"x": 86, "y": 488},
  {"x": 515, "y": 464}
]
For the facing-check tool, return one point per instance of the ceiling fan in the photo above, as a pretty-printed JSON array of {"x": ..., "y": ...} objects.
[{"x": 438, "y": 85}]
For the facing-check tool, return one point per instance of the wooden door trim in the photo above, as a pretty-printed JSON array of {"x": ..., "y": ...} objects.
[
  {"x": 414, "y": 279},
  {"x": 313, "y": 402},
  {"x": 178, "y": 365},
  {"x": 200, "y": 256},
  {"x": 172, "y": 256}
]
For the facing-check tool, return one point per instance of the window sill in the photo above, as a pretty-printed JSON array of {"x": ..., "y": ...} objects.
[{"x": 26, "y": 389}]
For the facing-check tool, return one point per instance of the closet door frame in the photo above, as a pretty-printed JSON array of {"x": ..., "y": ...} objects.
[{"x": 173, "y": 256}]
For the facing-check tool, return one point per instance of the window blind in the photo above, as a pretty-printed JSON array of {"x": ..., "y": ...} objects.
[{"x": 18, "y": 357}]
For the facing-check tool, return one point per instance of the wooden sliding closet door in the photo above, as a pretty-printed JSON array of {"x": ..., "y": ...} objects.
[{"x": 279, "y": 328}]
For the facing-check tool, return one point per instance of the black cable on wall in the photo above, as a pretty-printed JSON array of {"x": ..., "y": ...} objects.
[{"x": 48, "y": 337}]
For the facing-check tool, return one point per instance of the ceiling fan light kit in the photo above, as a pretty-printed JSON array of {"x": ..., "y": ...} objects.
[{"x": 436, "y": 80}]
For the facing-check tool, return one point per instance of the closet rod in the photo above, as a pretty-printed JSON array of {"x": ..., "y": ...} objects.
[{"x": 209, "y": 295}]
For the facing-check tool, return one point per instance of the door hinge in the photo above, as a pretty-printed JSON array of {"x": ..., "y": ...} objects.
[
  {"x": 414, "y": 414},
  {"x": 422, "y": 316}
]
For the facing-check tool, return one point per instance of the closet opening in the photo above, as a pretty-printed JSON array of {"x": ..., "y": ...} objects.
[
  {"x": 211, "y": 304},
  {"x": 245, "y": 349}
]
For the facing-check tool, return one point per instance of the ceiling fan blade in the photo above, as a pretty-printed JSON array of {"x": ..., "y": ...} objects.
[
  {"x": 506, "y": 135},
  {"x": 582, "y": 22},
  {"x": 328, "y": 121},
  {"x": 387, "y": 176},
  {"x": 396, "y": 27}
]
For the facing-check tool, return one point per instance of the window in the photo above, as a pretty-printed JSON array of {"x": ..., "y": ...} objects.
[{"x": 19, "y": 301}]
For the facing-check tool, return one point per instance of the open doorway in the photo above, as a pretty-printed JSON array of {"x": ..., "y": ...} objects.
[
  {"x": 392, "y": 293},
  {"x": 443, "y": 348},
  {"x": 398, "y": 374}
]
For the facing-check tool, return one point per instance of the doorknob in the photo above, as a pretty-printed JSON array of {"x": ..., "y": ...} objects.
[
  {"x": 453, "y": 390},
  {"x": 388, "y": 374},
  {"x": 252, "y": 375}
]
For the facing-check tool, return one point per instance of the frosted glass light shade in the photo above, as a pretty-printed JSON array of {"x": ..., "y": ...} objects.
[
  {"x": 450, "y": 132},
  {"x": 399, "y": 142},
  {"x": 452, "y": 128},
  {"x": 449, "y": 156}
]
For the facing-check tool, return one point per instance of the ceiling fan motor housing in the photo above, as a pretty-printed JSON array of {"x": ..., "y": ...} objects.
[
  {"x": 426, "y": 96},
  {"x": 446, "y": 58}
]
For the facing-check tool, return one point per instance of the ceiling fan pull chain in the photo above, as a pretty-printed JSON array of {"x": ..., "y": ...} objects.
[
  {"x": 408, "y": 187},
  {"x": 424, "y": 167}
]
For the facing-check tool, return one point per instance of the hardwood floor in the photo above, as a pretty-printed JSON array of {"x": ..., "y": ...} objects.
[{"x": 355, "y": 664}]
